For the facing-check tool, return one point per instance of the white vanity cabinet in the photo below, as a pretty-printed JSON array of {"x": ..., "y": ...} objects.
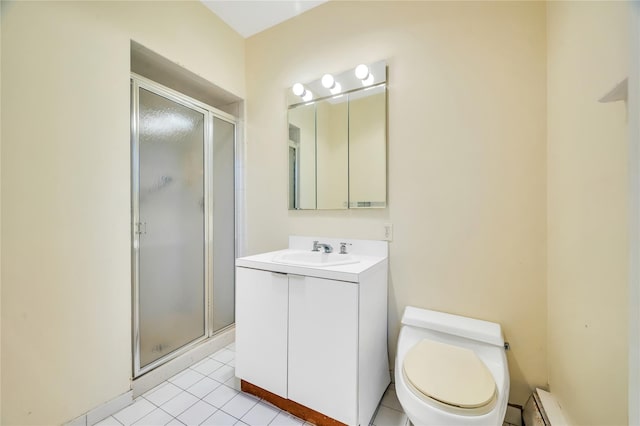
[
  {"x": 315, "y": 337},
  {"x": 262, "y": 299},
  {"x": 323, "y": 346}
]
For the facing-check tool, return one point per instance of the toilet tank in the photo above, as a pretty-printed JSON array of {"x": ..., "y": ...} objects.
[{"x": 468, "y": 328}]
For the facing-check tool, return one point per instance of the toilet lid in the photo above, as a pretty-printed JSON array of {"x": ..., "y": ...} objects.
[{"x": 449, "y": 374}]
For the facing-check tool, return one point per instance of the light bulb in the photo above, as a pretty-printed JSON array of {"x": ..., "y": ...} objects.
[
  {"x": 298, "y": 89},
  {"x": 308, "y": 95},
  {"x": 337, "y": 88},
  {"x": 368, "y": 81},
  {"x": 362, "y": 71},
  {"x": 328, "y": 81}
]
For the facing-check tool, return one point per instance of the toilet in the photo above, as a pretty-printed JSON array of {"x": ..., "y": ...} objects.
[{"x": 451, "y": 370}]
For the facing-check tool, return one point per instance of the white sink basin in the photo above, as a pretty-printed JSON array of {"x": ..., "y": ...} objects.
[{"x": 313, "y": 258}]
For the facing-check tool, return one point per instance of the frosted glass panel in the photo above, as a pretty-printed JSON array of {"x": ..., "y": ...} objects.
[
  {"x": 223, "y": 224},
  {"x": 171, "y": 200}
]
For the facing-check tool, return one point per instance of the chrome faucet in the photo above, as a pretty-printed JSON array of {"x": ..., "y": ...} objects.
[
  {"x": 343, "y": 248},
  {"x": 326, "y": 247}
]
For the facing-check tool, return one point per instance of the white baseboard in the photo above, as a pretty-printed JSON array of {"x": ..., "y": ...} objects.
[{"x": 103, "y": 411}]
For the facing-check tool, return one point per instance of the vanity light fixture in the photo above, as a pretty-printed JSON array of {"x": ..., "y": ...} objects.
[
  {"x": 362, "y": 72},
  {"x": 331, "y": 85},
  {"x": 328, "y": 81},
  {"x": 307, "y": 96},
  {"x": 298, "y": 89}
]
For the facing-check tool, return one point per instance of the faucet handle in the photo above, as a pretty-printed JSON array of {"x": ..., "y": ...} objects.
[
  {"x": 343, "y": 247},
  {"x": 316, "y": 246}
]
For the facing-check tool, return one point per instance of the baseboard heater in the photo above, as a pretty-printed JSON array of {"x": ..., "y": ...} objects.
[{"x": 542, "y": 409}]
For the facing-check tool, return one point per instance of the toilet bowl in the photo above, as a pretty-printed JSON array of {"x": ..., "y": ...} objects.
[{"x": 451, "y": 370}]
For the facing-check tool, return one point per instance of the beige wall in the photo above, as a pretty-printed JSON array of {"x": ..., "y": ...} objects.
[
  {"x": 634, "y": 216},
  {"x": 588, "y": 51},
  {"x": 66, "y": 308},
  {"x": 467, "y": 171}
]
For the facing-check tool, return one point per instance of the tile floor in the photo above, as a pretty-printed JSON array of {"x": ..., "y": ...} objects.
[{"x": 208, "y": 393}]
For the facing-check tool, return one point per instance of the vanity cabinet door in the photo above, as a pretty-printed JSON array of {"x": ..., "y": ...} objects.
[
  {"x": 323, "y": 346},
  {"x": 261, "y": 329}
]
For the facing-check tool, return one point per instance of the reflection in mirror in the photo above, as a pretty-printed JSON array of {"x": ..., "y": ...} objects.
[
  {"x": 332, "y": 141},
  {"x": 368, "y": 148},
  {"x": 302, "y": 157}
]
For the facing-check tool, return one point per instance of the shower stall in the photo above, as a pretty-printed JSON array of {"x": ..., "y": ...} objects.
[{"x": 183, "y": 222}]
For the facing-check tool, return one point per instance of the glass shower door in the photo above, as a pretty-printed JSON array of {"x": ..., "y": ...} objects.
[
  {"x": 224, "y": 256},
  {"x": 170, "y": 228}
]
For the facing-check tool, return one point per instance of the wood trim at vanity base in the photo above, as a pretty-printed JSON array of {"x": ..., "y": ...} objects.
[{"x": 292, "y": 407}]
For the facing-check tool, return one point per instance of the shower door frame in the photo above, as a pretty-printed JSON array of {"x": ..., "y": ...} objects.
[{"x": 139, "y": 82}]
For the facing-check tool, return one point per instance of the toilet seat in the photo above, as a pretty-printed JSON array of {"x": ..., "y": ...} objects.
[{"x": 451, "y": 375}]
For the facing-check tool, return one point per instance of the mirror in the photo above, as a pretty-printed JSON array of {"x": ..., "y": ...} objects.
[
  {"x": 368, "y": 148},
  {"x": 332, "y": 156},
  {"x": 302, "y": 157},
  {"x": 338, "y": 143}
]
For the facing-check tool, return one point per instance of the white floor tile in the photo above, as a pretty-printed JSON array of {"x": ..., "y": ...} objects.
[
  {"x": 223, "y": 355},
  {"x": 197, "y": 413},
  {"x": 389, "y": 417},
  {"x": 162, "y": 394},
  {"x": 154, "y": 389},
  {"x": 390, "y": 399},
  {"x": 223, "y": 373},
  {"x": 140, "y": 408},
  {"x": 220, "y": 418},
  {"x": 207, "y": 366},
  {"x": 155, "y": 418},
  {"x": 239, "y": 405},
  {"x": 232, "y": 346},
  {"x": 187, "y": 378},
  {"x": 285, "y": 419},
  {"x": 220, "y": 396},
  {"x": 109, "y": 421},
  {"x": 203, "y": 387},
  {"x": 180, "y": 403},
  {"x": 261, "y": 414},
  {"x": 208, "y": 393}
]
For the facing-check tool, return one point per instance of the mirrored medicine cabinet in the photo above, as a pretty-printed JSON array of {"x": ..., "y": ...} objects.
[{"x": 338, "y": 140}]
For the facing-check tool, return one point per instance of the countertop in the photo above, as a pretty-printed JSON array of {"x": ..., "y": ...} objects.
[{"x": 350, "y": 272}]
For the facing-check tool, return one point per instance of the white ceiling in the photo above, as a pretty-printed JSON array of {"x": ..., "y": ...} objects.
[{"x": 249, "y": 17}]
